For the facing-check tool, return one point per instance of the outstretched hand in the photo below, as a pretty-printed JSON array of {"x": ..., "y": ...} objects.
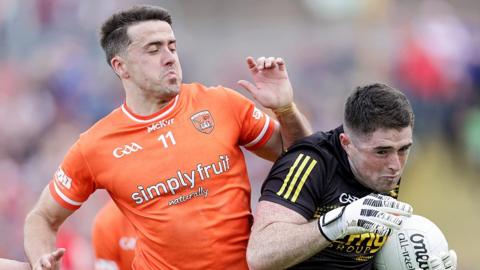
[
  {"x": 271, "y": 86},
  {"x": 50, "y": 261}
]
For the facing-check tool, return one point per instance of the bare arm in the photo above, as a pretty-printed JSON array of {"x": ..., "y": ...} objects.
[
  {"x": 293, "y": 124},
  {"x": 281, "y": 238},
  {"x": 41, "y": 227},
  {"x": 273, "y": 90},
  {"x": 13, "y": 265}
]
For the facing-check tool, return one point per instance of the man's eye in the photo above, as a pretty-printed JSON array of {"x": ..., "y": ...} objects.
[{"x": 381, "y": 152}]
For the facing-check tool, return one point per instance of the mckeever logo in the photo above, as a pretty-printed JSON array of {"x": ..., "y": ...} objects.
[
  {"x": 160, "y": 124},
  {"x": 188, "y": 179},
  {"x": 127, "y": 149}
]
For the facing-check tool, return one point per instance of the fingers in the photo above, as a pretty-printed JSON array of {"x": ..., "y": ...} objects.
[
  {"x": 374, "y": 227},
  {"x": 388, "y": 204},
  {"x": 250, "y": 87},
  {"x": 265, "y": 63},
  {"x": 252, "y": 65},
  {"x": 50, "y": 261},
  {"x": 378, "y": 222},
  {"x": 435, "y": 263},
  {"x": 449, "y": 259},
  {"x": 58, "y": 254}
]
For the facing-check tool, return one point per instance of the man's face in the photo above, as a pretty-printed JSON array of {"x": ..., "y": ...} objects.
[
  {"x": 378, "y": 160},
  {"x": 151, "y": 59}
]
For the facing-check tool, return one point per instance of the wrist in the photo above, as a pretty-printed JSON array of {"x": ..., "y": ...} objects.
[
  {"x": 330, "y": 224},
  {"x": 286, "y": 109}
]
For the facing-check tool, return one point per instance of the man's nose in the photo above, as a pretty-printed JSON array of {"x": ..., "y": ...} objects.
[
  {"x": 394, "y": 162},
  {"x": 168, "y": 57}
]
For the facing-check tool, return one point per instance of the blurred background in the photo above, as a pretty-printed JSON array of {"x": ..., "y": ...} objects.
[{"x": 55, "y": 82}]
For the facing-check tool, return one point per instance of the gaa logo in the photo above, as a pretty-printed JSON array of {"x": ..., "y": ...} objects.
[{"x": 126, "y": 150}]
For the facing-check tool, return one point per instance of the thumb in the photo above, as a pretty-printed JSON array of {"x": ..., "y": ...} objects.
[
  {"x": 250, "y": 87},
  {"x": 58, "y": 254}
]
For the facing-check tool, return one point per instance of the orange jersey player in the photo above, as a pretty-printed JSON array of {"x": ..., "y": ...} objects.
[
  {"x": 170, "y": 156},
  {"x": 175, "y": 201},
  {"x": 113, "y": 239}
]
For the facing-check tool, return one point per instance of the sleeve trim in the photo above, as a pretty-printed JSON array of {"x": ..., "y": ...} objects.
[
  {"x": 64, "y": 197},
  {"x": 262, "y": 133}
]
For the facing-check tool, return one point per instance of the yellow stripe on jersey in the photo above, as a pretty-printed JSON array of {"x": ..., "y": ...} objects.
[
  {"x": 295, "y": 178},
  {"x": 285, "y": 181},
  {"x": 304, "y": 178}
]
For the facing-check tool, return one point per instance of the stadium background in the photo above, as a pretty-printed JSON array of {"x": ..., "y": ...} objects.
[{"x": 54, "y": 83}]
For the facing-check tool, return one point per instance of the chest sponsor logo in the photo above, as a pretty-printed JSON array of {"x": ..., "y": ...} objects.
[
  {"x": 360, "y": 246},
  {"x": 203, "y": 121},
  {"x": 188, "y": 183},
  {"x": 127, "y": 149},
  {"x": 160, "y": 124}
]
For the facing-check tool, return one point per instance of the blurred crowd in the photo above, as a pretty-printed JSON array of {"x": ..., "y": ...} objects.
[{"x": 55, "y": 82}]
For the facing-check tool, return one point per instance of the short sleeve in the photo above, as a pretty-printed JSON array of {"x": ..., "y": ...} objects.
[
  {"x": 295, "y": 181},
  {"x": 256, "y": 126},
  {"x": 72, "y": 183}
]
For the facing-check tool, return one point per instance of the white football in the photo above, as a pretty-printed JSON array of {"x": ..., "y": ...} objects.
[{"x": 409, "y": 247}]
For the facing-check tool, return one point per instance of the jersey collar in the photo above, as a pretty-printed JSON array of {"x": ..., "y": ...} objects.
[{"x": 152, "y": 117}]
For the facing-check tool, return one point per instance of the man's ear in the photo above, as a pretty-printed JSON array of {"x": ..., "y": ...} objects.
[
  {"x": 119, "y": 67},
  {"x": 345, "y": 141}
]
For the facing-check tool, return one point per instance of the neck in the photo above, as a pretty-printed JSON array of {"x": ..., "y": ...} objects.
[{"x": 144, "y": 103}]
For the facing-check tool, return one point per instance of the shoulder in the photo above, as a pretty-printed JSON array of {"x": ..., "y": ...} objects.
[
  {"x": 316, "y": 143},
  {"x": 103, "y": 125}
]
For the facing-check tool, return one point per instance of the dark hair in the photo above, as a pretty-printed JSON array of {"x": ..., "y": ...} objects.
[
  {"x": 376, "y": 106},
  {"x": 113, "y": 36}
]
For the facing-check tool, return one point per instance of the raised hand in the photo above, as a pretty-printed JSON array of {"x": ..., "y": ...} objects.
[
  {"x": 271, "y": 87},
  {"x": 373, "y": 213},
  {"x": 50, "y": 261}
]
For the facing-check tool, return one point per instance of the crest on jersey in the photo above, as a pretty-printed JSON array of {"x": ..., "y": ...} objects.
[{"x": 203, "y": 121}]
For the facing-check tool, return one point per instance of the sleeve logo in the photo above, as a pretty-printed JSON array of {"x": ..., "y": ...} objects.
[
  {"x": 203, "y": 122},
  {"x": 62, "y": 178},
  {"x": 257, "y": 114}
]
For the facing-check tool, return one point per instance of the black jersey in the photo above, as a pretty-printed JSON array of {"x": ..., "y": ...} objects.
[{"x": 312, "y": 178}]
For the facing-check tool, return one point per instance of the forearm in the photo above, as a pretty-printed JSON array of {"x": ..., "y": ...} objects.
[
  {"x": 293, "y": 124},
  {"x": 39, "y": 236},
  {"x": 13, "y": 265},
  {"x": 281, "y": 245}
]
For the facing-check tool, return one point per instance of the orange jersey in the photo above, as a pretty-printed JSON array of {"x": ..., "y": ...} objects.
[
  {"x": 178, "y": 175},
  {"x": 113, "y": 239}
]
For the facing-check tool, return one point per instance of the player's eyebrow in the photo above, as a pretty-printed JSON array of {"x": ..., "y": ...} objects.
[
  {"x": 406, "y": 146},
  {"x": 159, "y": 43}
]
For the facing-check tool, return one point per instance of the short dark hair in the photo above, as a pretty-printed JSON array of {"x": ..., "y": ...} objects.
[
  {"x": 113, "y": 36},
  {"x": 377, "y": 106}
]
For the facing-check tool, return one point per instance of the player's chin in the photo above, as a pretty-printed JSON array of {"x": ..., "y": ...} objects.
[{"x": 388, "y": 186}]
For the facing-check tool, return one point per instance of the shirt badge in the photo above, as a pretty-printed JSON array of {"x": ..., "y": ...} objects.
[{"x": 203, "y": 122}]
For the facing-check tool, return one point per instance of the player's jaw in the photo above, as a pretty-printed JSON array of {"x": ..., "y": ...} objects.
[{"x": 386, "y": 182}]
